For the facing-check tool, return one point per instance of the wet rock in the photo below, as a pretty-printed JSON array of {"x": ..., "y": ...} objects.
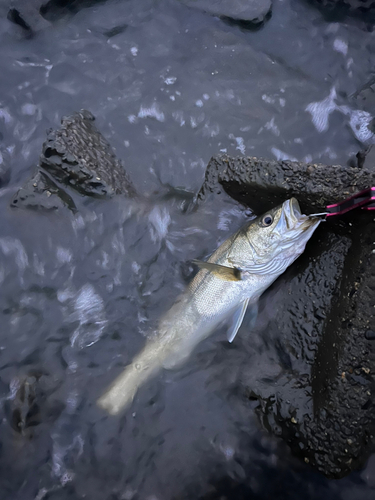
[
  {"x": 40, "y": 192},
  {"x": 323, "y": 406},
  {"x": 77, "y": 156},
  {"x": 321, "y": 401},
  {"x": 253, "y": 11},
  {"x": 261, "y": 183},
  {"x": 366, "y": 158}
]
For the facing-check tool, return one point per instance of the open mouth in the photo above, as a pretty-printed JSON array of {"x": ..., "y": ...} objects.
[
  {"x": 295, "y": 219},
  {"x": 294, "y": 208},
  {"x": 292, "y": 213}
]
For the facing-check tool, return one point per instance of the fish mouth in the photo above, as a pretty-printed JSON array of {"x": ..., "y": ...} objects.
[
  {"x": 294, "y": 207},
  {"x": 295, "y": 219},
  {"x": 291, "y": 214},
  {"x": 294, "y": 228}
]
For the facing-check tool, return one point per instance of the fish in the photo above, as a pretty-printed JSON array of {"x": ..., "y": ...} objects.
[{"x": 226, "y": 285}]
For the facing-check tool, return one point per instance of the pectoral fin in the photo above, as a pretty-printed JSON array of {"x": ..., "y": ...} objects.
[
  {"x": 252, "y": 315},
  {"x": 223, "y": 272},
  {"x": 237, "y": 320}
]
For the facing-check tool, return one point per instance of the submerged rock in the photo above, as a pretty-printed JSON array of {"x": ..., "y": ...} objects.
[
  {"x": 35, "y": 15},
  {"x": 337, "y": 10},
  {"x": 40, "y": 192},
  {"x": 321, "y": 402},
  {"x": 78, "y": 156},
  {"x": 24, "y": 404},
  {"x": 254, "y": 11},
  {"x": 27, "y": 15}
]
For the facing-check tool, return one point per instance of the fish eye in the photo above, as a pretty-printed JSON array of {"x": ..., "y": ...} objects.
[{"x": 267, "y": 220}]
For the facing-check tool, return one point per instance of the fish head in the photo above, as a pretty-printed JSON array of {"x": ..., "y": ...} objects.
[{"x": 278, "y": 237}]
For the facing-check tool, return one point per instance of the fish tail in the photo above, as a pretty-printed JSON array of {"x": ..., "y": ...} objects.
[{"x": 121, "y": 392}]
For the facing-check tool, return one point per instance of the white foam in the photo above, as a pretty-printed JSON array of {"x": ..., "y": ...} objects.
[
  {"x": 321, "y": 110},
  {"x": 160, "y": 219},
  {"x": 88, "y": 310},
  {"x": 64, "y": 255},
  {"x": 281, "y": 155},
  {"x": 271, "y": 125},
  {"x": 170, "y": 80},
  {"x": 240, "y": 143},
  {"x": 341, "y": 46},
  {"x": 152, "y": 111},
  {"x": 13, "y": 246}
]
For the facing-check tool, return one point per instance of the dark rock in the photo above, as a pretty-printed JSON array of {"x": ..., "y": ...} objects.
[
  {"x": 321, "y": 402},
  {"x": 253, "y": 11},
  {"x": 78, "y": 155},
  {"x": 338, "y": 10},
  {"x": 324, "y": 406},
  {"x": 117, "y": 30},
  {"x": 261, "y": 183},
  {"x": 366, "y": 158},
  {"x": 56, "y": 9},
  {"x": 40, "y": 192}
]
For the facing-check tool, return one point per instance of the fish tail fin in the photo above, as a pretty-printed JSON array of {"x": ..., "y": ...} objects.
[{"x": 121, "y": 392}]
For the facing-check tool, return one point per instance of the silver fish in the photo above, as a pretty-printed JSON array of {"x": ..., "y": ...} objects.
[{"x": 233, "y": 278}]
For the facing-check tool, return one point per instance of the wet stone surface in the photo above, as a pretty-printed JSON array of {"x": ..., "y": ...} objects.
[
  {"x": 324, "y": 407},
  {"x": 78, "y": 156},
  {"x": 259, "y": 182},
  {"x": 40, "y": 192}
]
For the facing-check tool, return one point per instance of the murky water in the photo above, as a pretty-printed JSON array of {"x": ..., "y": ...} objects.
[{"x": 170, "y": 87}]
